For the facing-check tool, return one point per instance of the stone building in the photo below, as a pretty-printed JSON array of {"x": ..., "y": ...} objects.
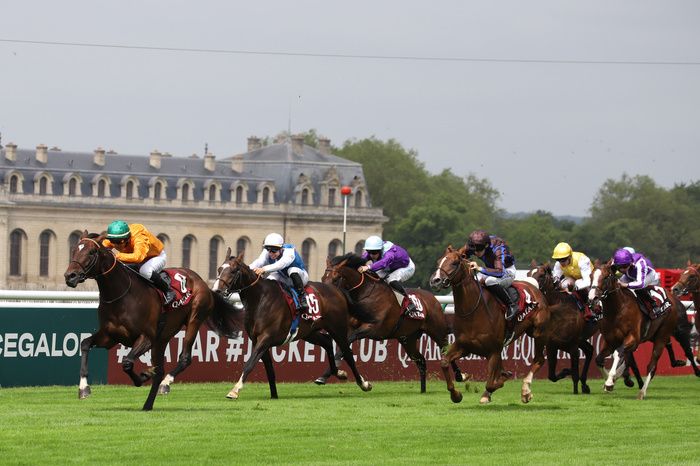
[{"x": 197, "y": 206}]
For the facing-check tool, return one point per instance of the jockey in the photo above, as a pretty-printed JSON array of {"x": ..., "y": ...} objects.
[
  {"x": 638, "y": 274},
  {"x": 283, "y": 263},
  {"x": 572, "y": 269},
  {"x": 391, "y": 262},
  {"x": 499, "y": 271},
  {"x": 134, "y": 244}
]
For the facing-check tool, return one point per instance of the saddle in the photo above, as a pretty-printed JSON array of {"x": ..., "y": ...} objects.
[
  {"x": 526, "y": 302},
  {"x": 292, "y": 298},
  {"x": 653, "y": 302},
  {"x": 177, "y": 283}
]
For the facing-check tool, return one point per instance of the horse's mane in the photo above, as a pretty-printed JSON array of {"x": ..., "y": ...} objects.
[
  {"x": 93, "y": 235},
  {"x": 353, "y": 259}
]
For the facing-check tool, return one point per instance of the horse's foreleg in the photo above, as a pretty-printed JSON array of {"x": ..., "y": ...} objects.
[
  {"x": 96, "y": 339},
  {"x": 614, "y": 370},
  {"x": 632, "y": 363},
  {"x": 184, "y": 360},
  {"x": 270, "y": 372},
  {"x": 261, "y": 346},
  {"x": 453, "y": 353},
  {"x": 340, "y": 339},
  {"x": 651, "y": 368},
  {"x": 683, "y": 338},
  {"x": 410, "y": 345},
  {"x": 574, "y": 367},
  {"x": 495, "y": 377},
  {"x": 141, "y": 345},
  {"x": 526, "y": 391},
  {"x": 587, "y": 349},
  {"x": 333, "y": 361},
  {"x": 157, "y": 359},
  {"x": 605, "y": 351}
]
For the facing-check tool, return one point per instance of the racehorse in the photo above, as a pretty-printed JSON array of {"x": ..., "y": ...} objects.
[
  {"x": 131, "y": 312},
  {"x": 566, "y": 329},
  {"x": 268, "y": 319},
  {"x": 623, "y": 324},
  {"x": 480, "y": 325},
  {"x": 689, "y": 282},
  {"x": 368, "y": 293}
]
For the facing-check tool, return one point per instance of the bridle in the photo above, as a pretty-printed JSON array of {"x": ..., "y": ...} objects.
[
  {"x": 339, "y": 281},
  {"x": 448, "y": 281},
  {"x": 686, "y": 289},
  {"x": 86, "y": 270},
  {"x": 236, "y": 276},
  {"x": 602, "y": 292}
]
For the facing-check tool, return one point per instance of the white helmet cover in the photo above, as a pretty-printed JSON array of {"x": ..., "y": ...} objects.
[
  {"x": 373, "y": 243},
  {"x": 274, "y": 240}
]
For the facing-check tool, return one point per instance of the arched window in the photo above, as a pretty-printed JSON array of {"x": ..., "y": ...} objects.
[
  {"x": 130, "y": 190},
  {"x": 212, "y": 194},
  {"x": 358, "y": 199},
  {"x": 334, "y": 248},
  {"x": 101, "y": 188},
  {"x": 16, "y": 240},
  {"x": 187, "y": 244},
  {"x": 165, "y": 239},
  {"x": 43, "y": 186},
  {"x": 239, "y": 195},
  {"x": 305, "y": 197},
  {"x": 14, "y": 184},
  {"x": 157, "y": 190},
  {"x": 44, "y": 243},
  {"x": 72, "y": 187},
  {"x": 359, "y": 247},
  {"x": 306, "y": 251},
  {"x": 186, "y": 192},
  {"x": 241, "y": 245},
  {"x": 266, "y": 195},
  {"x": 331, "y": 197},
  {"x": 73, "y": 239},
  {"x": 213, "y": 256}
]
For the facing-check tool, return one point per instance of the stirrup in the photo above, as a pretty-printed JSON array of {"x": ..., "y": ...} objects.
[
  {"x": 511, "y": 312},
  {"x": 510, "y": 336},
  {"x": 168, "y": 297}
]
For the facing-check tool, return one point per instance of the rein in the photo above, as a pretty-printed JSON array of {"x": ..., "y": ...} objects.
[
  {"x": 235, "y": 279},
  {"x": 451, "y": 276}
]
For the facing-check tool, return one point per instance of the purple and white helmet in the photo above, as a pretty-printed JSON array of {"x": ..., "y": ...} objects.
[{"x": 622, "y": 257}]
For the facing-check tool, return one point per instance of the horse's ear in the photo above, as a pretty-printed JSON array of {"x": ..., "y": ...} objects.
[
  {"x": 84, "y": 235},
  {"x": 449, "y": 248},
  {"x": 533, "y": 263},
  {"x": 228, "y": 253},
  {"x": 240, "y": 256},
  {"x": 609, "y": 263},
  {"x": 690, "y": 263},
  {"x": 596, "y": 263}
]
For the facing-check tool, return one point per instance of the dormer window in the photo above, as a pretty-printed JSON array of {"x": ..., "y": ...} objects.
[
  {"x": 14, "y": 184},
  {"x": 331, "y": 197},
  {"x": 266, "y": 195},
  {"x": 157, "y": 189},
  {"x": 239, "y": 195},
  {"x": 305, "y": 197},
  {"x": 101, "y": 188}
]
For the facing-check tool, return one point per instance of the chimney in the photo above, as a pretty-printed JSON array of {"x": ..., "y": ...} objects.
[
  {"x": 42, "y": 153},
  {"x": 154, "y": 160},
  {"x": 11, "y": 152},
  {"x": 254, "y": 143},
  {"x": 99, "y": 158},
  {"x": 298, "y": 144},
  {"x": 210, "y": 162},
  {"x": 324, "y": 146},
  {"x": 237, "y": 163}
]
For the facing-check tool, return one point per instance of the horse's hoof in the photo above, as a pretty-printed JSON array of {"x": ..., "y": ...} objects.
[
  {"x": 640, "y": 395},
  {"x": 459, "y": 377},
  {"x": 629, "y": 383},
  {"x": 320, "y": 381},
  {"x": 507, "y": 374},
  {"x": 608, "y": 388},
  {"x": 232, "y": 395},
  {"x": 585, "y": 389},
  {"x": 342, "y": 375},
  {"x": 526, "y": 397},
  {"x": 697, "y": 373},
  {"x": 366, "y": 386},
  {"x": 485, "y": 400},
  {"x": 84, "y": 393},
  {"x": 163, "y": 389},
  {"x": 456, "y": 396},
  {"x": 678, "y": 363}
]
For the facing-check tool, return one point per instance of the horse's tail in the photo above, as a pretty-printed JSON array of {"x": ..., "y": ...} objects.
[{"x": 225, "y": 318}]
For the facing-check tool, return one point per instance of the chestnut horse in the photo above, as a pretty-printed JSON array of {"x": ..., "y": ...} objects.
[
  {"x": 689, "y": 282},
  {"x": 268, "y": 320},
  {"x": 480, "y": 325},
  {"x": 566, "y": 329},
  {"x": 131, "y": 312},
  {"x": 623, "y": 323},
  {"x": 370, "y": 294}
]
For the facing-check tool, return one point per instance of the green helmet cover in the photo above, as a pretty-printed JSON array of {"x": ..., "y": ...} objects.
[{"x": 118, "y": 229}]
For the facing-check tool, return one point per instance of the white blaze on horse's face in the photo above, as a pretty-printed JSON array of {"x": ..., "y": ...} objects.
[
  {"x": 80, "y": 247},
  {"x": 595, "y": 281},
  {"x": 436, "y": 275},
  {"x": 224, "y": 266}
]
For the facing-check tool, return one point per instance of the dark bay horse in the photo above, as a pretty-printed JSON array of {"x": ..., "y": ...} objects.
[
  {"x": 370, "y": 294},
  {"x": 689, "y": 282},
  {"x": 130, "y": 312},
  {"x": 566, "y": 329},
  {"x": 268, "y": 320},
  {"x": 480, "y": 325},
  {"x": 623, "y": 324}
]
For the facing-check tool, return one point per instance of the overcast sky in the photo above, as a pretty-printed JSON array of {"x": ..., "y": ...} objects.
[{"x": 530, "y": 103}]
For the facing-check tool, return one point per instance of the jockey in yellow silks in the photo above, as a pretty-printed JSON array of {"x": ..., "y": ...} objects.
[{"x": 572, "y": 269}]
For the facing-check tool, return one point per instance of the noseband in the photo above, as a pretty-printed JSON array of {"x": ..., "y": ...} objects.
[{"x": 86, "y": 270}]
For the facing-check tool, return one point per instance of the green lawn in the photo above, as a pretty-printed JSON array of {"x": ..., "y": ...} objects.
[{"x": 337, "y": 423}]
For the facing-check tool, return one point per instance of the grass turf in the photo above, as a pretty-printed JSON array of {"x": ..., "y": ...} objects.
[{"x": 337, "y": 423}]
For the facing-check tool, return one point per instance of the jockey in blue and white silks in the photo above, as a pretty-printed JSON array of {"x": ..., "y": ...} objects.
[{"x": 281, "y": 262}]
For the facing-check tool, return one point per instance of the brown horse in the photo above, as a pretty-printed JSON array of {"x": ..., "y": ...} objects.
[
  {"x": 689, "y": 282},
  {"x": 268, "y": 320},
  {"x": 623, "y": 325},
  {"x": 480, "y": 325},
  {"x": 566, "y": 329},
  {"x": 130, "y": 312},
  {"x": 370, "y": 294}
]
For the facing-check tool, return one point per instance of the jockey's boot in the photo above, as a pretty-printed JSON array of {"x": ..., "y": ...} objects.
[
  {"x": 645, "y": 297},
  {"x": 509, "y": 296},
  {"x": 398, "y": 286},
  {"x": 162, "y": 286},
  {"x": 301, "y": 293}
]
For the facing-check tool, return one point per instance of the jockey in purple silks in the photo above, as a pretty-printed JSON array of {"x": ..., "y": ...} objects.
[
  {"x": 638, "y": 274},
  {"x": 391, "y": 262}
]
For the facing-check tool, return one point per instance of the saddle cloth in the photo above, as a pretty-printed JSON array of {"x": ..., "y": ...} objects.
[
  {"x": 661, "y": 302},
  {"x": 582, "y": 303},
  {"x": 290, "y": 295},
  {"x": 403, "y": 301},
  {"x": 178, "y": 283},
  {"x": 526, "y": 302}
]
